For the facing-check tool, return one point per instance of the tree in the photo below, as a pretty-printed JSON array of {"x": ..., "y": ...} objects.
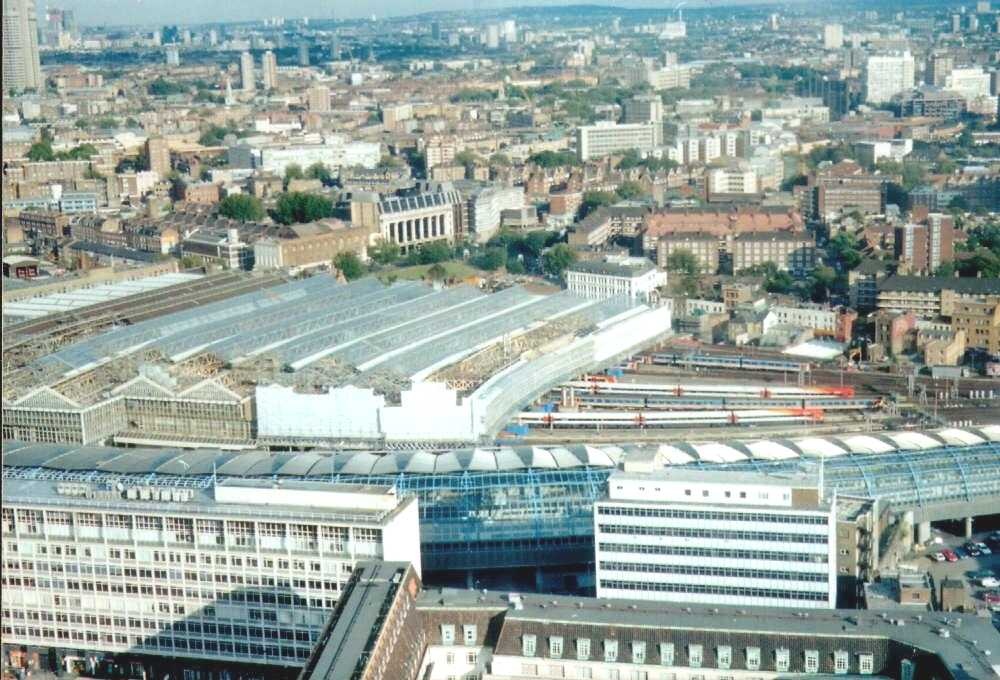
[
  {"x": 293, "y": 171},
  {"x": 297, "y": 207},
  {"x": 437, "y": 272},
  {"x": 500, "y": 159},
  {"x": 821, "y": 281},
  {"x": 553, "y": 159},
  {"x": 491, "y": 259},
  {"x": 629, "y": 190},
  {"x": 161, "y": 87},
  {"x": 467, "y": 158},
  {"x": 385, "y": 252},
  {"x": 684, "y": 269},
  {"x": 350, "y": 265},
  {"x": 242, "y": 207},
  {"x": 41, "y": 151},
  {"x": 557, "y": 258},
  {"x": 842, "y": 249},
  {"x": 515, "y": 267},
  {"x": 319, "y": 171},
  {"x": 436, "y": 251},
  {"x": 592, "y": 200}
]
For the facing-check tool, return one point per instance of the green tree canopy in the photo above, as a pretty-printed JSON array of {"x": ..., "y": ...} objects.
[
  {"x": 242, "y": 207},
  {"x": 436, "y": 251},
  {"x": 41, "y": 151},
  {"x": 350, "y": 265},
  {"x": 491, "y": 259},
  {"x": 293, "y": 171},
  {"x": 437, "y": 272},
  {"x": 384, "y": 252},
  {"x": 592, "y": 200},
  {"x": 161, "y": 87},
  {"x": 557, "y": 258},
  {"x": 553, "y": 159},
  {"x": 296, "y": 207},
  {"x": 629, "y": 190},
  {"x": 319, "y": 171},
  {"x": 684, "y": 270}
]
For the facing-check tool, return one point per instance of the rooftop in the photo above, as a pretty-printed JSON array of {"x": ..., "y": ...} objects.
[{"x": 935, "y": 284}]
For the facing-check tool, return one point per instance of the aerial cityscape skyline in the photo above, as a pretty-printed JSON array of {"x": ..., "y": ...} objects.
[{"x": 496, "y": 342}]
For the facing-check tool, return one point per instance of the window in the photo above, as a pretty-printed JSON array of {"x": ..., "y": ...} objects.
[
  {"x": 866, "y": 664},
  {"x": 841, "y": 660},
  {"x": 555, "y": 647},
  {"x": 724, "y": 656},
  {"x": 781, "y": 660},
  {"x": 472, "y": 657},
  {"x": 584, "y": 673},
  {"x": 528, "y": 646},
  {"x": 611, "y": 650},
  {"x": 469, "y": 635},
  {"x": 667, "y": 653},
  {"x": 812, "y": 661},
  {"x": 583, "y": 649},
  {"x": 753, "y": 658},
  {"x": 529, "y": 669},
  {"x": 449, "y": 659},
  {"x": 447, "y": 635},
  {"x": 694, "y": 656},
  {"x": 638, "y": 651}
]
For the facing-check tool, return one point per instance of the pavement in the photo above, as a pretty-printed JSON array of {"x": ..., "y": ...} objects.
[{"x": 961, "y": 569}]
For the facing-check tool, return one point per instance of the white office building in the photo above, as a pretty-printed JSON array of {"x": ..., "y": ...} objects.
[
  {"x": 485, "y": 206},
  {"x": 269, "y": 70},
  {"x": 886, "y": 75},
  {"x": 646, "y": 108},
  {"x": 334, "y": 151},
  {"x": 732, "y": 181},
  {"x": 718, "y": 538},
  {"x": 244, "y": 572},
  {"x": 833, "y": 36},
  {"x": 605, "y": 138},
  {"x": 634, "y": 277}
]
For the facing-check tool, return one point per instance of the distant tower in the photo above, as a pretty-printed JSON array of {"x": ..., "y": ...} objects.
[
  {"x": 173, "y": 56},
  {"x": 303, "y": 54},
  {"x": 246, "y": 72},
  {"x": 230, "y": 100},
  {"x": 21, "y": 66},
  {"x": 269, "y": 70}
]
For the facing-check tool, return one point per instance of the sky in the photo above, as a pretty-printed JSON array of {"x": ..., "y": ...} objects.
[{"x": 161, "y": 12}]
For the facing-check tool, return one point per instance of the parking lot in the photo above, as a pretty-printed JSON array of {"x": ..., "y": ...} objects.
[{"x": 966, "y": 567}]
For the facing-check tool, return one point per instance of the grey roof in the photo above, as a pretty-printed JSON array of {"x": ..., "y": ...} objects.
[
  {"x": 630, "y": 269},
  {"x": 935, "y": 284}
]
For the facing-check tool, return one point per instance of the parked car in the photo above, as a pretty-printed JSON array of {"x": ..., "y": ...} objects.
[
  {"x": 961, "y": 553},
  {"x": 950, "y": 555},
  {"x": 972, "y": 549},
  {"x": 989, "y": 582},
  {"x": 983, "y": 548},
  {"x": 937, "y": 557}
]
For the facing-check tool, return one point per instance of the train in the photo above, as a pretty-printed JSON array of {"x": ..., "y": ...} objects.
[
  {"x": 665, "y": 419},
  {"x": 721, "y": 361},
  {"x": 657, "y": 402},
  {"x": 606, "y": 385}
]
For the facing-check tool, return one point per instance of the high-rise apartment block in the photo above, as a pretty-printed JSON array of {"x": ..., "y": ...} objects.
[
  {"x": 833, "y": 36},
  {"x": 724, "y": 538},
  {"x": 21, "y": 67},
  {"x": 269, "y": 70},
  {"x": 242, "y": 572},
  {"x": 318, "y": 99},
  {"x": 925, "y": 247},
  {"x": 158, "y": 156},
  {"x": 887, "y": 75},
  {"x": 247, "y": 78}
]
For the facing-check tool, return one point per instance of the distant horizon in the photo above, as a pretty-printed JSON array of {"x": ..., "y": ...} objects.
[{"x": 94, "y": 13}]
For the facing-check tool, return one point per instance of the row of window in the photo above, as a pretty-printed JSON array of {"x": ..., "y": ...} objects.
[
  {"x": 634, "y": 529},
  {"x": 776, "y": 575},
  {"x": 772, "y": 593},
  {"x": 720, "y": 515},
  {"x": 642, "y": 549},
  {"x": 582, "y": 649}
]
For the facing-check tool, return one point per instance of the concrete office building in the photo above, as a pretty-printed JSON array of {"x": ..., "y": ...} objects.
[
  {"x": 269, "y": 70},
  {"x": 789, "y": 251},
  {"x": 173, "y": 56},
  {"x": 833, "y": 36},
  {"x": 335, "y": 151},
  {"x": 887, "y": 75},
  {"x": 21, "y": 66},
  {"x": 644, "y": 109},
  {"x": 605, "y": 138},
  {"x": 485, "y": 205},
  {"x": 247, "y": 77},
  {"x": 939, "y": 67},
  {"x": 390, "y": 628},
  {"x": 717, "y": 538},
  {"x": 238, "y": 572}
]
